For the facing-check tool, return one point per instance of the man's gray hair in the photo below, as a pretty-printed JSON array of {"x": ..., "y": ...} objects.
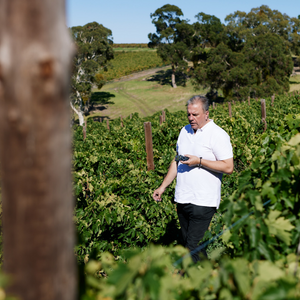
[{"x": 199, "y": 98}]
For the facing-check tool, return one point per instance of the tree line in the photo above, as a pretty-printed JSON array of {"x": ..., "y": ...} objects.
[{"x": 250, "y": 55}]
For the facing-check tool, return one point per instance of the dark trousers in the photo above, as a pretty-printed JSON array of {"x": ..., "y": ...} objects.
[{"x": 194, "y": 221}]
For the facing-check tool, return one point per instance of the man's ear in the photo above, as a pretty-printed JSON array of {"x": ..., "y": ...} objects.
[{"x": 207, "y": 114}]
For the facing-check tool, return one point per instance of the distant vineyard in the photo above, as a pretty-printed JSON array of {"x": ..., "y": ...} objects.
[
  {"x": 126, "y": 63},
  {"x": 130, "y": 45},
  {"x": 115, "y": 211}
]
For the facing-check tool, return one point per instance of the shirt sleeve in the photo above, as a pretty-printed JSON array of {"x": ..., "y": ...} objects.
[{"x": 222, "y": 147}]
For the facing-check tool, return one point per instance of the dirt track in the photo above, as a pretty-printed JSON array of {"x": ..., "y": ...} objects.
[{"x": 140, "y": 74}]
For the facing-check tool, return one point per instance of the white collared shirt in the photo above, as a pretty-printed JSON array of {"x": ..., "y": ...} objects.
[{"x": 200, "y": 186}]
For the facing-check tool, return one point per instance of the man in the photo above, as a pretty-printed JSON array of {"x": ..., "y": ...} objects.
[{"x": 198, "y": 185}]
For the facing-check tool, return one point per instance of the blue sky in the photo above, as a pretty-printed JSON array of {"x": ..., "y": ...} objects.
[{"x": 130, "y": 22}]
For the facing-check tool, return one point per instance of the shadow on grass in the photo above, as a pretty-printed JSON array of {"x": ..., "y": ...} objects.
[
  {"x": 164, "y": 77},
  {"x": 101, "y": 118},
  {"x": 294, "y": 82},
  {"x": 99, "y": 100}
]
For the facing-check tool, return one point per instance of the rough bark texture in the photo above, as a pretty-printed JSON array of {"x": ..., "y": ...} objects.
[
  {"x": 173, "y": 77},
  {"x": 35, "y": 149}
]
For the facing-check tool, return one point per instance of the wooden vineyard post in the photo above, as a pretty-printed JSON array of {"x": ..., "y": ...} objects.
[
  {"x": 249, "y": 100},
  {"x": 273, "y": 98},
  {"x": 130, "y": 116},
  {"x": 233, "y": 102},
  {"x": 122, "y": 124},
  {"x": 164, "y": 116},
  {"x": 263, "y": 113},
  {"x": 161, "y": 117},
  {"x": 149, "y": 145},
  {"x": 107, "y": 124},
  {"x": 229, "y": 109},
  {"x": 214, "y": 105},
  {"x": 35, "y": 150}
]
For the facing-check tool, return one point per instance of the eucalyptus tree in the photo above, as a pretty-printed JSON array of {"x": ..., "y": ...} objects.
[
  {"x": 208, "y": 33},
  {"x": 94, "y": 51},
  {"x": 171, "y": 38},
  {"x": 262, "y": 20},
  {"x": 261, "y": 68}
]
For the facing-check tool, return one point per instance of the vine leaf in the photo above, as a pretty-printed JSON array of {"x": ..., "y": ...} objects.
[{"x": 279, "y": 226}]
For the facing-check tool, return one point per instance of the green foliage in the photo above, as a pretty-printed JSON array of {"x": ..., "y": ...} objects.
[
  {"x": 131, "y": 45},
  {"x": 115, "y": 211},
  {"x": 108, "y": 196},
  {"x": 262, "y": 20},
  {"x": 172, "y": 37},
  {"x": 94, "y": 51},
  {"x": 261, "y": 69},
  {"x": 4, "y": 283},
  {"x": 251, "y": 56},
  {"x": 210, "y": 30},
  {"x": 156, "y": 274}
]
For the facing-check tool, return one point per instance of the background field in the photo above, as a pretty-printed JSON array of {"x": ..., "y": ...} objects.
[
  {"x": 147, "y": 94},
  {"x": 144, "y": 95},
  {"x": 121, "y": 49},
  {"x": 125, "y": 63},
  {"x": 295, "y": 83}
]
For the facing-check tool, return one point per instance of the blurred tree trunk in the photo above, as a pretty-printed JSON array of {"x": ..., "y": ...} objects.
[
  {"x": 173, "y": 76},
  {"x": 35, "y": 149}
]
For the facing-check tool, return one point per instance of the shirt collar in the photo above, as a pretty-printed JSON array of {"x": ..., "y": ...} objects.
[{"x": 202, "y": 128}]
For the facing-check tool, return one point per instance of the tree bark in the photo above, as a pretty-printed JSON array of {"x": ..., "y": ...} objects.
[
  {"x": 173, "y": 77},
  {"x": 79, "y": 114},
  {"x": 35, "y": 149}
]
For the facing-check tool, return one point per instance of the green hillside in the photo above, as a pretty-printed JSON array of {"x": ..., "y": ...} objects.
[{"x": 147, "y": 95}]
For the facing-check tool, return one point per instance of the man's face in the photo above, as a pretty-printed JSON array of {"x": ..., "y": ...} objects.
[{"x": 197, "y": 117}]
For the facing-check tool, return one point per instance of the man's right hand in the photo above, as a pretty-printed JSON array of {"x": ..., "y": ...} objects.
[{"x": 157, "y": 194}]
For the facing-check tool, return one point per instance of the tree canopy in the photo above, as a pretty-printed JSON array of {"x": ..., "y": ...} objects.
[
  {"x": 171, "y": 38},
  {"x": 94, "y": 51},
  {"x": 249, "y": 55},
  {"x": 260, "y": 69},
  {"x": 262, "y": 20}
]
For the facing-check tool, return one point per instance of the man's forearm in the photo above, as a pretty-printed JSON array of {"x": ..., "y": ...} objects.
[
  {"x": 166, "y": 182},
  {"x": 221, "y": 166},
  {"x": 171, "y": 175}
]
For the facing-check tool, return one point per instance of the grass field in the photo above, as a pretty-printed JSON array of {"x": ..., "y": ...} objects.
[
  {"x": 143, "y": 95},
  {"x": 295, "y": 83},
  {"x": 147, "y": 95}
]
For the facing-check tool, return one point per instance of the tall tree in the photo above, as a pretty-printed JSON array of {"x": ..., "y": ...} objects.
[
  {"x": 294, "y": 35},
  {"x": 35, "y": 149},
  {"x": 262, "y": 20},
  {"x": 171, "y": 31},
  {"x": 94, "y": 51},
  {"x": 260, "y": 69},
  {"x": 208, "y": 33},
  {"x": 210, "y": 29}
]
